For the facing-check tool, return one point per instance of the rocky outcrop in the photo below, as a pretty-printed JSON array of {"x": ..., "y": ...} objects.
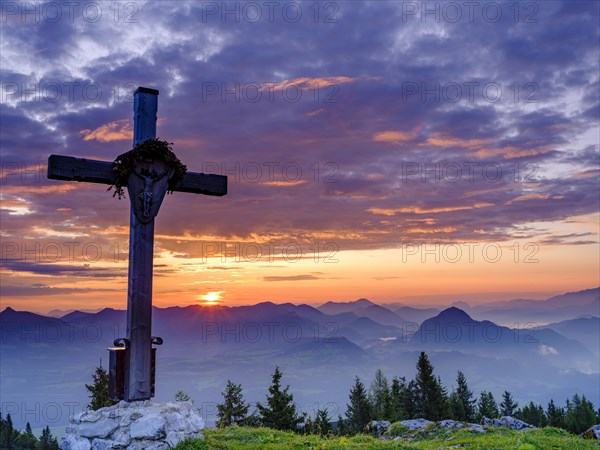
[
  {"x": 378, "y": 427},
  {"x": 411, "y": 429},
  {"x": 133, "y": 426},
  {"x": 592, "y": 432},
  {"x": 415, "y": 424},
  {"x": 508, "y": 422}
]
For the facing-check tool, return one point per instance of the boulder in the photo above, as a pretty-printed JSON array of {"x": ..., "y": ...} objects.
[
  {"x": 592, "y": 432},
  {"x": 507, "y": 422},
  {"x": 415, "y": 424},
  {"x": 378, "y": 427}
]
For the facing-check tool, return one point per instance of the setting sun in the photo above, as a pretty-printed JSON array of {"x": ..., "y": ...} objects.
[{"x": 211, "y": 298}]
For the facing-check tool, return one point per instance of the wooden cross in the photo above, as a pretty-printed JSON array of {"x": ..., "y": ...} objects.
[{"x": 138, "y": 366}]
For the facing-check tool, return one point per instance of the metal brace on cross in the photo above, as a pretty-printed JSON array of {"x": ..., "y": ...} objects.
[{"x": 145, "y": 194}]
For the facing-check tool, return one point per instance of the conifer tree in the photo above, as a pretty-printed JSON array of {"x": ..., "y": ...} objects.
[
  {"x": 533, "y": 414},
  {"x": 461, "y": 402},
  {"x": 280, "y": 411},
  {"x": 322, "y": 422},
  {"x": 486, "y": 406},
  {"x": 431, "y": 399},
  {"x": 379, "y": 396},
  {"x": 396, "y": 411},
  {"x": 341, "y": 426},
  {"x": 555, "y": 415},
  {"x": 233, "y": 409},
  {"x": 181, "y": 396},
  {"x": 508, "y": 407},
  {"x": 99, "y": 389},
  {"x": 26, "y": 439},
  {"x": 580, "y": 415},
  {"x": 358, "y": 412},
  {"x": 409, "y": 400},
  {"x": 8, "y": 434},
  {"x": 47, "y": 441}
]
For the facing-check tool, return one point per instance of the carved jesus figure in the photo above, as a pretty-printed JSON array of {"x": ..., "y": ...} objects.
[{"x": 149, "y": 177}]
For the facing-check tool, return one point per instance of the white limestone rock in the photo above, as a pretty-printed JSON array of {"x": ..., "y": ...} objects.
[
  {"x": 134, "y": 426},
  {"x": 415, "y": 424},
  {"x": 507, "y": 422}
]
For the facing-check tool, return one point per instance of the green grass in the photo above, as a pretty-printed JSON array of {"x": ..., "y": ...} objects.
[{"x": 233, "y": 438}]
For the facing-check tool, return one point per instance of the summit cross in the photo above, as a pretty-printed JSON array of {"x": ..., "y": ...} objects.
[{"x": 132, "y": 378}]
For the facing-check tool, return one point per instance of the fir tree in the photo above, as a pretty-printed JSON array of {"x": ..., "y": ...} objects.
[
  {"x": 397, "y": 389},
  {"x": 358, "y": 412},
  {"x": 461, "y": 402},
  {"x": 26, "y": 440},
  {"x": 8, "y": 434},
  {"x": 341, "y": 426},
  {"x": 322, "y": 422},
  {"x": 580, "y": 415},
  {"x": 409, "y": 400},
  {"x": 533, "y": 414},
  {"x": 99, "y": 389},
  {"x": 431, "y": 398},
  {"x": 280, "y": 411},
  {"x": 508, "y": 407},
  {"x": 233, "y": 409},
  {"x": 555, "y": 415},
  {"x": 379, "y": 396},
  {"x": 181, "y": 396},
  {"x": 486, "y": 406},
  {"x": 47, "y": 441}
]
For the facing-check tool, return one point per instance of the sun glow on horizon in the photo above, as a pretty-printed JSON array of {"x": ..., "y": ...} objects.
[{"x": 211, "y": 298}]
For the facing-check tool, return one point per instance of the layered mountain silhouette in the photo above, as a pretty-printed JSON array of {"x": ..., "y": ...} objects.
[{"x": 321, "y": 348}]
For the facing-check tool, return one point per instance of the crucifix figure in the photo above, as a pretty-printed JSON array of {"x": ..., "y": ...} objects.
[{"x": 147, "y": 185}]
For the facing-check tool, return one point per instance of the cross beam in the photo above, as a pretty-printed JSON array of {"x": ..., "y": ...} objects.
[
  {"x": 68, "y": 168},
  {"x": 137, "y": 371}
]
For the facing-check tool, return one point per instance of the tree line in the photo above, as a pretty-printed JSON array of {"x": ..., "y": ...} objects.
[
  {"x": 423, "y": 397},
  {"x": 12, "y": 439}
]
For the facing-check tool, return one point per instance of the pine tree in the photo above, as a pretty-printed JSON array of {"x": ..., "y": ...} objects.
[
  {"x": 461, "y": 402},
  {"x": 47, "y": 441},
  {"x": 322, "y": 422},
  {"x": 580, "y": 415},
  {"x": 409, "y": 400},
  {"x": 379, "y": 396},
  {"x": 358, "y": 412},
  {"x": 26, "y": 440},
  {"x": 233, "y": 409},
  {"x": 341, "y": 426},
  {"x": 486, "y": 406},
  {"x": 396, "y": 410},
  {"x": 8, "y": 434},
  {"x": 431, "y": 399},
  {"x": 280, "y": 412},
  {"x": 555, "y": 415},
  {"x": 99, "y": 389},
  {"x": 181, "y": 396},
  {"x": 508, "y": 407},
  {"x": 533, "y": 414},
  {"x": 309, "y": 426}
]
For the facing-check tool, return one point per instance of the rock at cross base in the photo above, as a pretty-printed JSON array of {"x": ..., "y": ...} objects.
[{"x": 140, "y": 425}]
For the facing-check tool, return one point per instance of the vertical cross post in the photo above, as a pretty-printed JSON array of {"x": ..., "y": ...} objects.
[{"x": 141, "y": 248}]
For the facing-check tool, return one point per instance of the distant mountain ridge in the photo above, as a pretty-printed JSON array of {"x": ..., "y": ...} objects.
[{"x": 203, "y": 345}]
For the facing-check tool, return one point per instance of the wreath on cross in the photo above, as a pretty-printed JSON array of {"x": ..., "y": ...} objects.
[{"x": 124, "y": 164}]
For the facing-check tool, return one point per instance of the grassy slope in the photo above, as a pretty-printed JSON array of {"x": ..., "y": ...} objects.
[{"x": 265, "y": 438}]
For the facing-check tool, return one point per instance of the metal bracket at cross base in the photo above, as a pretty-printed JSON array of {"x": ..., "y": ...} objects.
[{"x": 117, "y": 366}]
